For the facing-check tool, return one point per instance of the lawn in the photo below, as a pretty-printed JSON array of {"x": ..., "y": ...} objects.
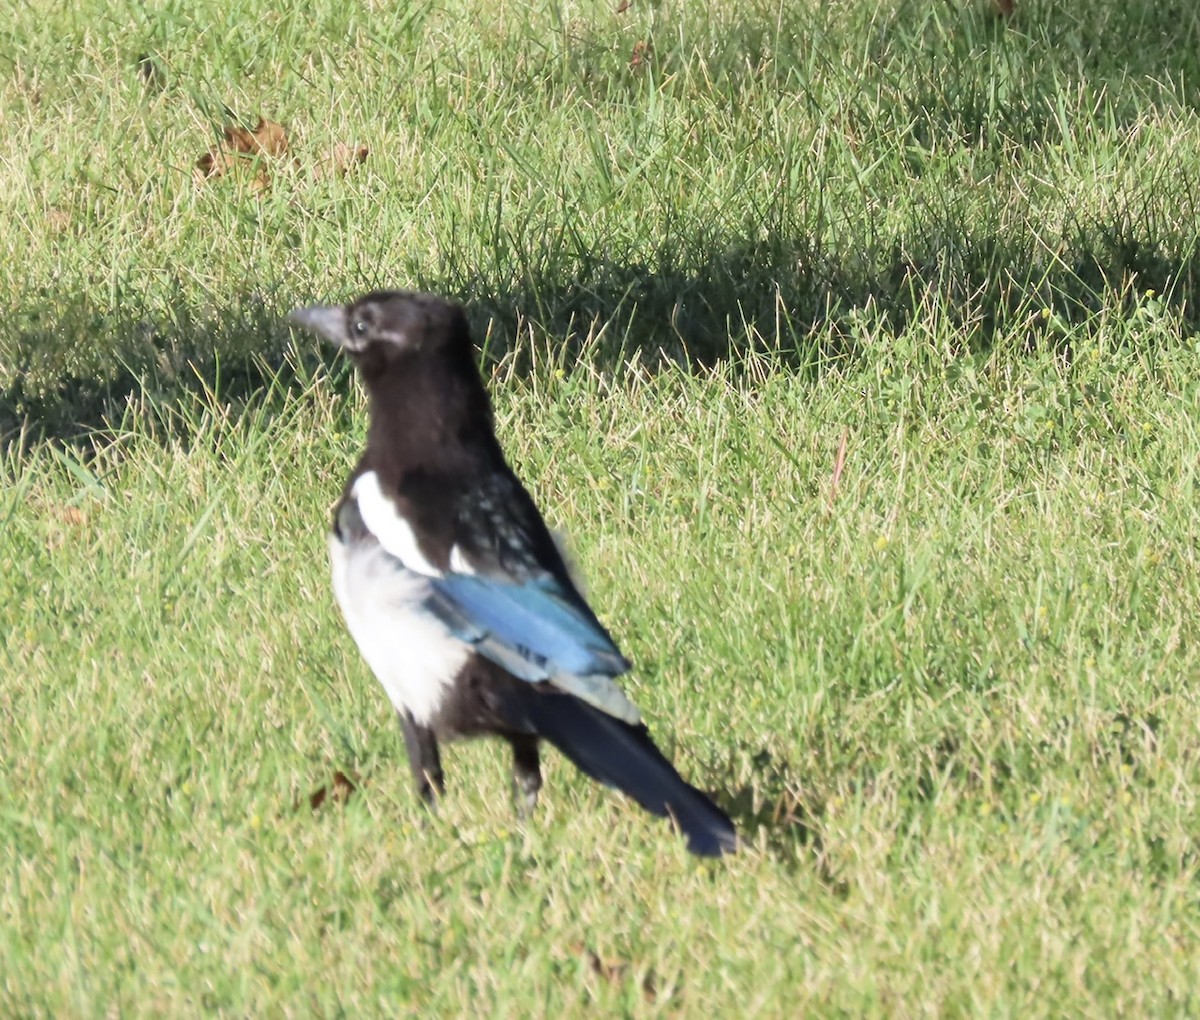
[{"x": 855, "y": 345}]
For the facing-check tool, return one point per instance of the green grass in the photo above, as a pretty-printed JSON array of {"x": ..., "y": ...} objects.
[{"x": 949, "y": 697}]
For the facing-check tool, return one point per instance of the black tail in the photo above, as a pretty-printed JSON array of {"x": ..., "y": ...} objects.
[{"x": 624, "y": 757}]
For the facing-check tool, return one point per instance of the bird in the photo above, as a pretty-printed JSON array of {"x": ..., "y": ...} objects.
[{"x": 455, "y": 589}]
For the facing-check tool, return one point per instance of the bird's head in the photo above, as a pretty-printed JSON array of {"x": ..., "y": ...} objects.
[{"x": 385, "y": 328}]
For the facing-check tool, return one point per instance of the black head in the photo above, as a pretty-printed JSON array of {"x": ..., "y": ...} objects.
[
  {"x": 387, "y": 327},
  {"x": 418, "y": 365}
]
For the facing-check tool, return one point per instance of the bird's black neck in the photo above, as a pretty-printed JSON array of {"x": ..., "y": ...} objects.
[{"x": 430, "y": 415}]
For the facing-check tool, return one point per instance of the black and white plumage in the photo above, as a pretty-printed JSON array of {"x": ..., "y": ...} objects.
[{"x": 453, "y": 587}]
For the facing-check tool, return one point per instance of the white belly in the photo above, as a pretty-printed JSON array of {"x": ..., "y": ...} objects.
[{"x": 409, "y": 651}]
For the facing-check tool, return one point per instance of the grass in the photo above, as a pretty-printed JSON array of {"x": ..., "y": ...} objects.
[{"x": 946, "y": 691}]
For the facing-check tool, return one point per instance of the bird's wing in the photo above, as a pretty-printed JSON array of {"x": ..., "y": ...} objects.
[
  {"x": 505, "y": 589},
  {"x": 536, "y": 631},
  {"x": 533, "y": 619}
]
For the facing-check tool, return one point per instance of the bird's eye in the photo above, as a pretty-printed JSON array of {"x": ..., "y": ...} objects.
[{"x": 360, "y": 328}]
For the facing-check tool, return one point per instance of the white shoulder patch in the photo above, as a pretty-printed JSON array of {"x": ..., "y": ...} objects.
[
  {"x": 459, "y": 562},
  {"x": 388, "y": 525}
]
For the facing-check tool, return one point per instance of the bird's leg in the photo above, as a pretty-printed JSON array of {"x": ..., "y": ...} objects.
[
  {"x": 423, "y": 759},
  {"x": 527, "y": 774}
]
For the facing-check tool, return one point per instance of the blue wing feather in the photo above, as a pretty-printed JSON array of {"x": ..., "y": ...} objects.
[{"x": 534, "y": 628}]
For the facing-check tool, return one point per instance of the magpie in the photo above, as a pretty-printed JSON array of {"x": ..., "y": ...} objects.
[{"x": 455, "y": 589}]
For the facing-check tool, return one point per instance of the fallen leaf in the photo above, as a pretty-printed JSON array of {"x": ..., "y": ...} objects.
[
  {"x": 340, "y": 788},
  {"x": 30, "y": 89},
  {"x": 150, "y": 73},
  {"x": 623, "y": 6},
  {"x": 614, "y": 973},
  {"x": 213, "y": 163},
  {"x": 268, "y": 140},
  {"x": 1004, "y": 7},
  {"x": 611, "y": 972},
  {"x": 641, "y": 54},
  {"x": 58, "y": 220},
  {"x": 71, "y": 516},
  {"x": 340, "y": 160}
]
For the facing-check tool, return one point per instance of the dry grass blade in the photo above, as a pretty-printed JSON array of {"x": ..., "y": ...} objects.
[{"x": 839, "y": 464}]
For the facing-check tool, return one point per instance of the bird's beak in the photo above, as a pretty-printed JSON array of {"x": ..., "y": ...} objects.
[{"x": 328, "y": 321}]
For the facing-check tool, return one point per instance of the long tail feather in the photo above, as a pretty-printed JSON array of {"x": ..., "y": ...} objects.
[{"x": 623, "y": 756}]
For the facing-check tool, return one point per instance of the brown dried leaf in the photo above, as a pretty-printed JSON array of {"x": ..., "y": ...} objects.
[
  {"x": 150, "y": 73},
  {"x": 642, "y": 51},
  {"x": 29, "y": 87},
  {"x": 214, "y": 163},
  {"x": 611, "y": 972},
  {"x": 58, "y": 220},
  {"x": 340, "y": 160},
  {"x": 71, "y": 516},
  {"x": 614, "y": 972},
  {"x": 1004, "y": 7},
  {"x": 623, "y": 6},
  {"x": 340, "y": 788},
  {"x": 268, "y": 139}
]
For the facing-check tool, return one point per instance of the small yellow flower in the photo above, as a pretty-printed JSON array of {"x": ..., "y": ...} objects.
[
  {"x": 559, "y": 374},
  {"x": 1126, "y": 797},
  {"x": 1035, "y": 797},
  {"x": 985, "y": 809},
  {"x": 1046, "y": 313},
  {"x": 881, "y": 543},
  {"x": 1042, "y": 613},
  {"x": 1150, "y": 292},
  {"x": 256, "y": 822}
]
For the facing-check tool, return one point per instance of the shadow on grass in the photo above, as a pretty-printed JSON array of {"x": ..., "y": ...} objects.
[
  {"x": 775, "y": 804},
  {"x": 77, "y": 363},
  {"x": 772, "y": 807},
  {"x": 939, "y": 77},
  {"x": 943, "y": 75}
]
